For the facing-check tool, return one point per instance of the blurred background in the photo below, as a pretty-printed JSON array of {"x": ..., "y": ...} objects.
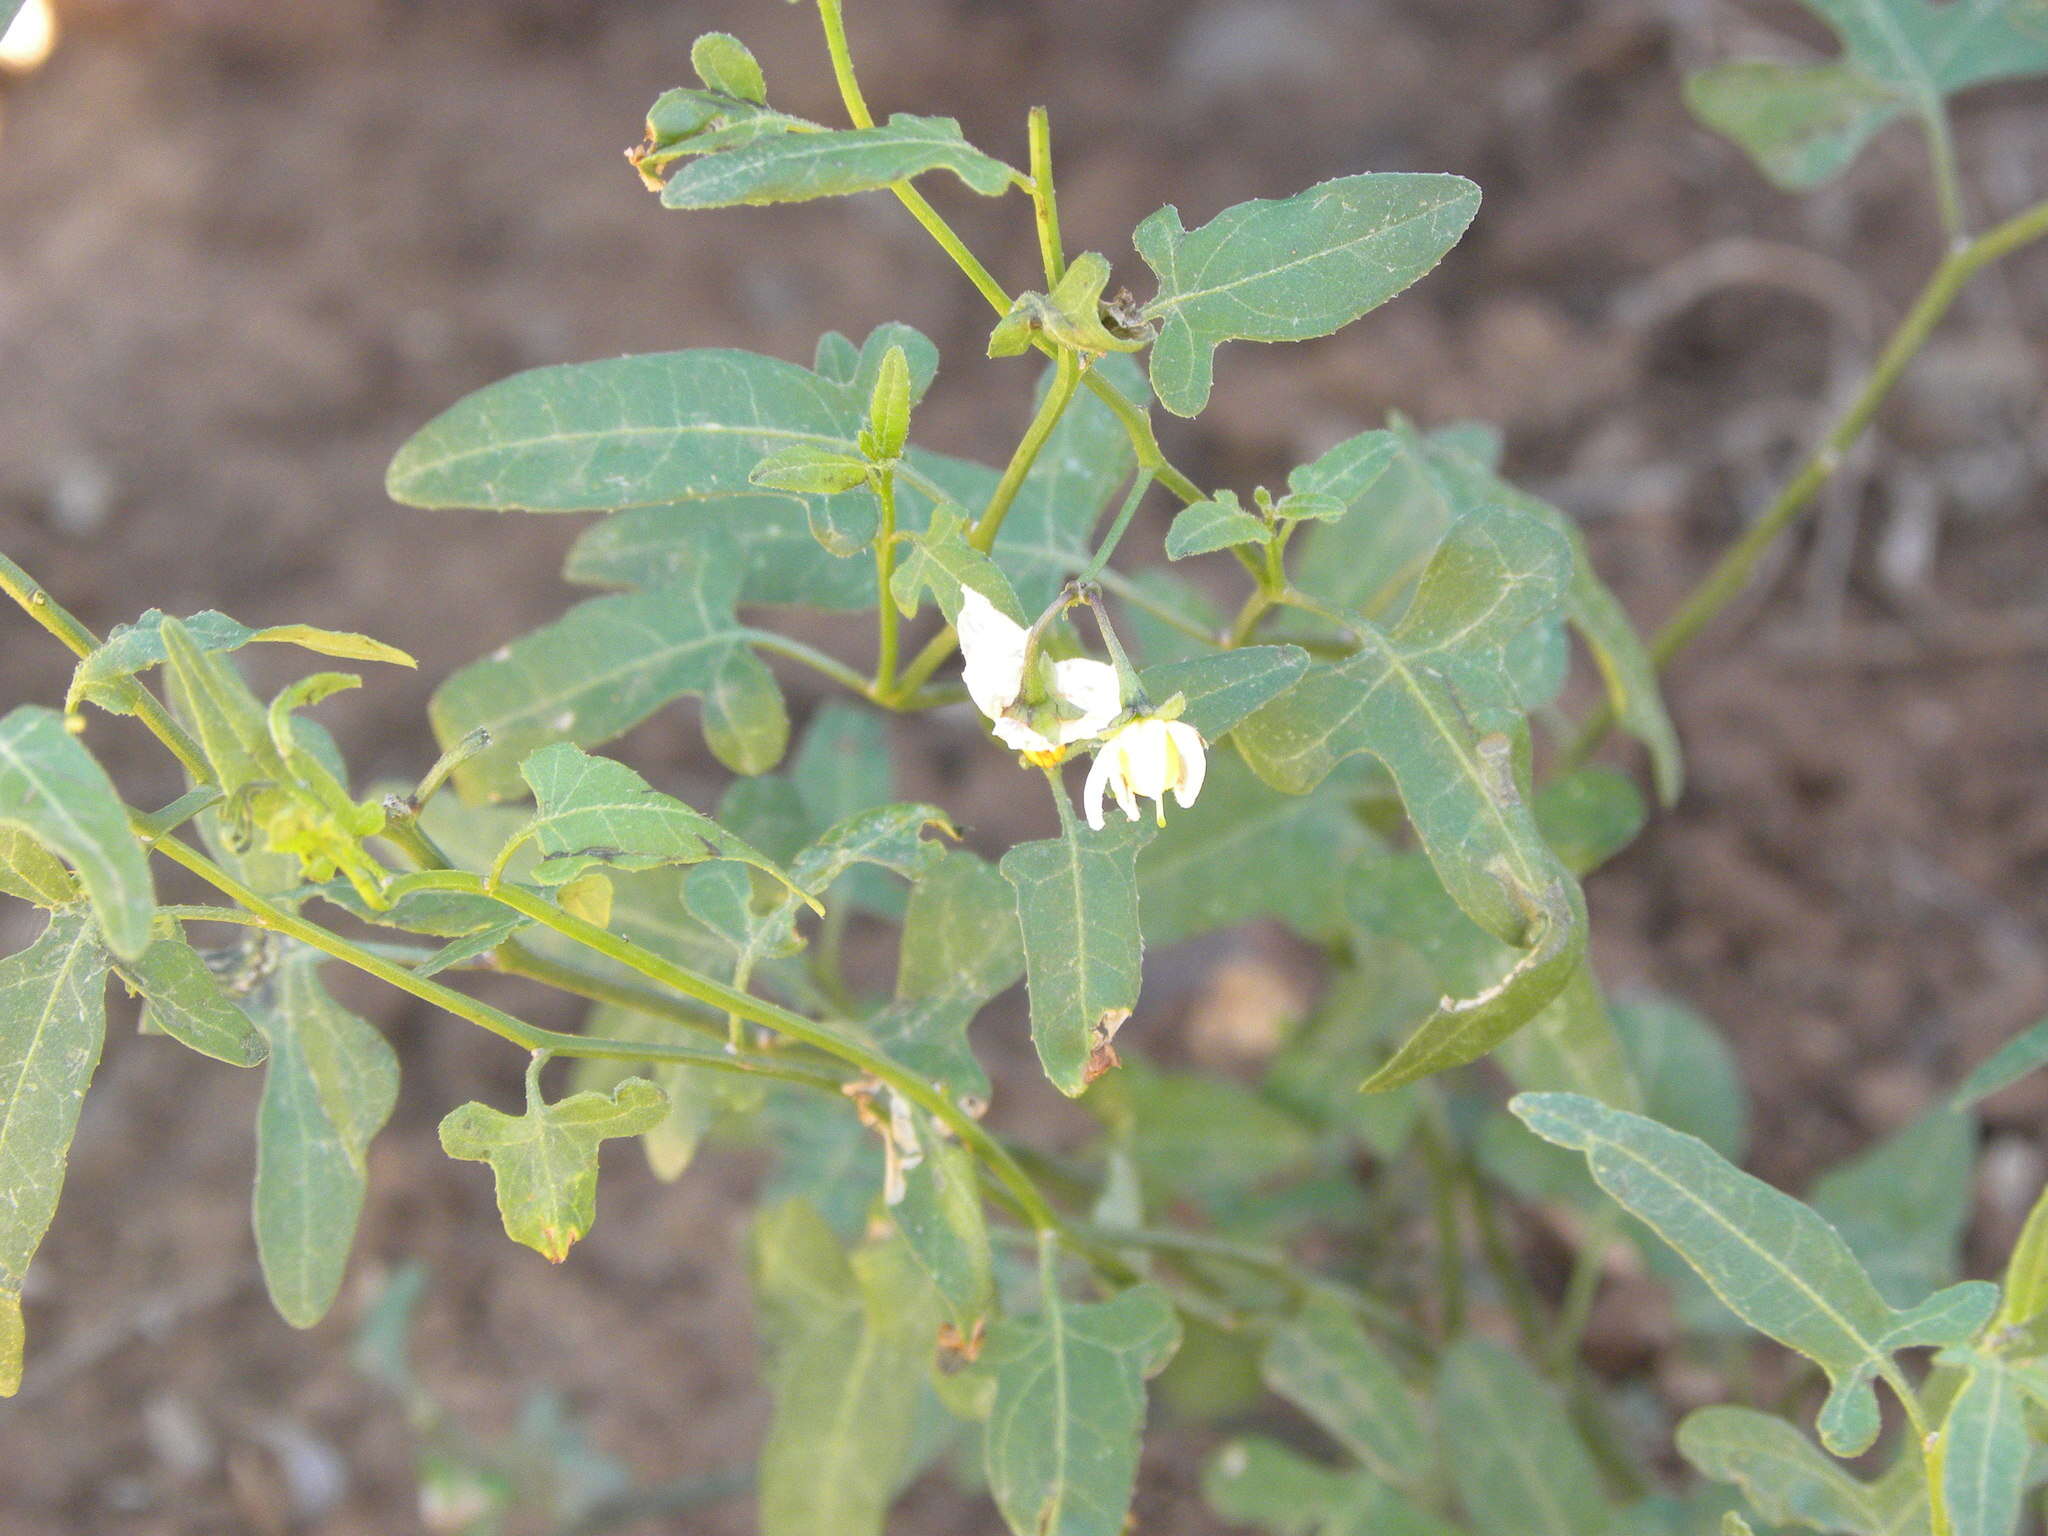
[{"x": 246, "y": 248}]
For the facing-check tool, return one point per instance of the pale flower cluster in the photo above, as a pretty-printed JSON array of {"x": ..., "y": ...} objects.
[{"x": 1144, "y": 758}]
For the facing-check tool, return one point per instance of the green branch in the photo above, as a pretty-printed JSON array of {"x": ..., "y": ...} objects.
[{"x": 1734, "y": 569}]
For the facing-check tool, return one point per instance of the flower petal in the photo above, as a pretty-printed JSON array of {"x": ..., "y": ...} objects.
[
  {"x": 991, "y": 653},
  {"x": 1098, "y": 780},
  {"x": 1091, "y": 687},
  {"x": 1194, "y": 761}
]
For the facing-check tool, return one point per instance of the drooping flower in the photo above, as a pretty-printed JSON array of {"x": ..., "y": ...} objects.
[
  {"x": 1084, "y": 696},
  {"x": 1144, "y": 760}
]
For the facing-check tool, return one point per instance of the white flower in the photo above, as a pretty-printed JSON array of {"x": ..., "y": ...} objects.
[
  {"x": 1145, "y": 759},
  {"x": 992, "y": 647}
]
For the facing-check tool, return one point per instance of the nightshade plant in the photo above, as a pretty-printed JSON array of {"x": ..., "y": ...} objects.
[{"x": 1349, "y": 753}]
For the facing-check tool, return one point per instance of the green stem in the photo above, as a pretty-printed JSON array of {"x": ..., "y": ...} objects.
[
  {"x": 1948, "y": 176},
  {"x": 518, "y": 1031},
  {"x": 817, "y": 660},
  {"x": 515, "y": 959},
  {"x": 1439, "y": 1159},
  {"x": 1044, "y": 201},
  {"x": 1581, "y": 1289},
  {"x": 1136, "y": 421},
  {"x": 828, "y": 1038},
  {"x": 1066, "y": 374},
  {"x": 1508, "y": 1273},
  {"x": 1095, "y": 567},
  {"x": 1256, "y": 602},
  {"x": 1734, "y": 569},
  {"x": 885, "y": 605},
  {"x": 37, "y": 603}
]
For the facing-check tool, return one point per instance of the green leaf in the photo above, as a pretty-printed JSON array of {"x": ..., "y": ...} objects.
[
  {"x": 329, "y": 1085},
  {"x": 1465, "y": 1028},
  {"x": 1903, "y": 1204},
  {"x": 30, "y": 874},
  {"x": 941, "y": 1218},
  {"x": 1328, "y": 487},
  {"x": 132, "y": 648},
  {"x": 1432, "y": 700},
  {"x": 1625, "y": 667},
  {"x": 8, "y": 8},
  {"x": 1689, "y": 1079},
  {"x": 1782, "y": 1475},
  {"x": 1290, "y": 269},
  {"x": 2026, "y": 1272},
  {"x": 1368, "y": 562},
  {"x": 185, "y": 1000},
  {"x": 847, "y": 1341},
  {"x": 608, "y": 664},
  {"x": 1201, "y": 1137},
  {"x": 1221, "y": 688},
  {"x": 1256, "y": 1482},
  {"x": 725, "y": 65},
  {"x": 56, "y": 792},
  {"x": 2025, "y": 1052},
  {"x": 961, "y": 946},
  {"x": 1589, "y": 816},
  {"x": 1984, "y": 1449},
  {"x": 1777, "y": 1265},
  {"x": 623, "y": 432},
  {"x": 1245, "y": 851},
  {"x": 888, "y": 424},
  {"x": 796, "y": 167},
  {"x": 1518, "y": 1465},
  {"x": 1218, "y": 523},
  {"x": 591, "y": 811},
  {"x": 809, "y": 469},
  {"x": 1803, "y": 124},
  {"x": 942, "y": 560},
  {"x": 1062, "y": 1439},
  {"x": 1573, "y": 1045},
  {"x": 53, "y": 1020},
  {"x": 1324, "y": 1364},
  {"x": 1077, "y": 900},
  {"x": 545, "y": 1160}
]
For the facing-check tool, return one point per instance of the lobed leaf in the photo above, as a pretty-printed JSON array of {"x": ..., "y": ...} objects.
[
  {"x": 1077, "y": 902},
  {"x": 961, "y": 945},
  {"x": 1289, "y": 269},
  {"x": 1062, "y": 1441},
  {"x": 591, "y": 811},
  {"x": 943, "y": 561},
  {"x": 544, "y": 1162},
  {"x": 1776, "y": 1263},
  {"x": 608, "y": 664},
  {"x": 1784, "y": 1477},
  {"x": 942, "y": 1221},
  {"x": 55, "y": 791},
  {"x": 797, "y": 167},
  {"x": 329, "y": 1085},
  {"x": 132, "y": 648},
  {"x": 1803, "y": 124},
  {"x": 624, "y": 432},
  {"x": 1369, "y": 563},
  {"x": 1245, "y": 851},
  {"x": 53, "y": 1021},
  {"x": 1220, "y": 689}
]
